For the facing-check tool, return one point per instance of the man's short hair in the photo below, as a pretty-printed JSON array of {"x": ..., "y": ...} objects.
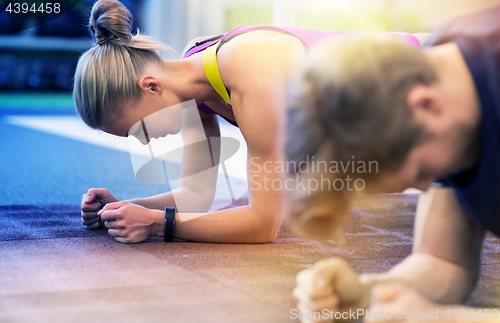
[{"x": 349, "y": 102}]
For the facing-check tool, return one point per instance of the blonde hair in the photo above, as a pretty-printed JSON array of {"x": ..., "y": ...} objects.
[
  {"x": 350, "y": 100},
  {"x": 106, "y": 75}
]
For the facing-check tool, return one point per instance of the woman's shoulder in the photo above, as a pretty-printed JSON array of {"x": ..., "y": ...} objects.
[
  {"x": 259, "y": 53},
  {"x": 193, "y": 42},
  {"x": 248, "y": 48},
  {"x": 260, "y": 61}
]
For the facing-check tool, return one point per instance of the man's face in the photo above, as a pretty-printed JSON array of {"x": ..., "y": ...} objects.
[
  {"x": 425, "y": 163},
  {"x": 451, "y": 143}
]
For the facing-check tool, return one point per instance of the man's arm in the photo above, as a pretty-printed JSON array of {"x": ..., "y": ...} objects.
[
  {"x": 444, "y": 264},
  {"x": 397, "y": 302},
  {"x": 443, "y": 267}
]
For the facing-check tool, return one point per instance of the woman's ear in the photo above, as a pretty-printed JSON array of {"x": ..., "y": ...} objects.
[{"x": 151, "y": 85}]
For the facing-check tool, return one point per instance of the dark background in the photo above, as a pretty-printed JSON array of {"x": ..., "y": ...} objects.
[{"x": 43, "y": 58}]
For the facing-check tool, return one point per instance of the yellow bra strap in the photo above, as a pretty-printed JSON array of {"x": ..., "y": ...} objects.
[{"x": 212, "y": 71}]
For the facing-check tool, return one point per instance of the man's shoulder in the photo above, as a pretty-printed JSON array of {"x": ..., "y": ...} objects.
[{"x": 483, "y": 23}]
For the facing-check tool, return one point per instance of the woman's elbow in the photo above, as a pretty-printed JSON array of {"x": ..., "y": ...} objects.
[
  {"x": 189, "y": 201},
  {"x": 206, "y": 200},
  {"x": 269, "y": 227}
]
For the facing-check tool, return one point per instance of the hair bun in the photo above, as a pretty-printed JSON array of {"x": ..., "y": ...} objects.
[{"x": 110, "y": 18}]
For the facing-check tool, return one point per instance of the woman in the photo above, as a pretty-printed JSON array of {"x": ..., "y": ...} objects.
[{"x": 241, "y": 76}]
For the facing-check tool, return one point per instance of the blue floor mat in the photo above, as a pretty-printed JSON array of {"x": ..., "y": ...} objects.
[
  {"x": 31, "y": 222},
  {"x": 40, "y": 168}
]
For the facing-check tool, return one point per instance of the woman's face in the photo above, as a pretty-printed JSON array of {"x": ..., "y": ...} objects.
[
  {"x": 167, "y": 121},
  {"x": 146, "y": 119}
]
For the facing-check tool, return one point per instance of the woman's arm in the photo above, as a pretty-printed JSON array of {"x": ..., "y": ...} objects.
[
  {"x": 258, "y": 104},
  {"x": 198, "y": 172},
  {"x": 257, "y": 223},
  {"x": 258, "y": 107},
  {"x": 260, "y": 117}
]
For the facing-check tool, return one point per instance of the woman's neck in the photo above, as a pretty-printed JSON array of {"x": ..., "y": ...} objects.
[{"x": 187, "y": 80}]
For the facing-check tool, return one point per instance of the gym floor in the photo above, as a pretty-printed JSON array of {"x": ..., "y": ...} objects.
[{"x": 53, "y": 270}]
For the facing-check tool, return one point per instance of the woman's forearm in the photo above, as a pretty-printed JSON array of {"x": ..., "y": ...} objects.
[
  {"x": 235, "y": 225},
  {"x": 157, "y": 202},
  {"x": 199, "y": 201},
  {"x": 439, "y": 280}
]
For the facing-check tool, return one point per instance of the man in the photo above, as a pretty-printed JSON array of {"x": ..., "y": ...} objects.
[{"x": 424, "y": 116}]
